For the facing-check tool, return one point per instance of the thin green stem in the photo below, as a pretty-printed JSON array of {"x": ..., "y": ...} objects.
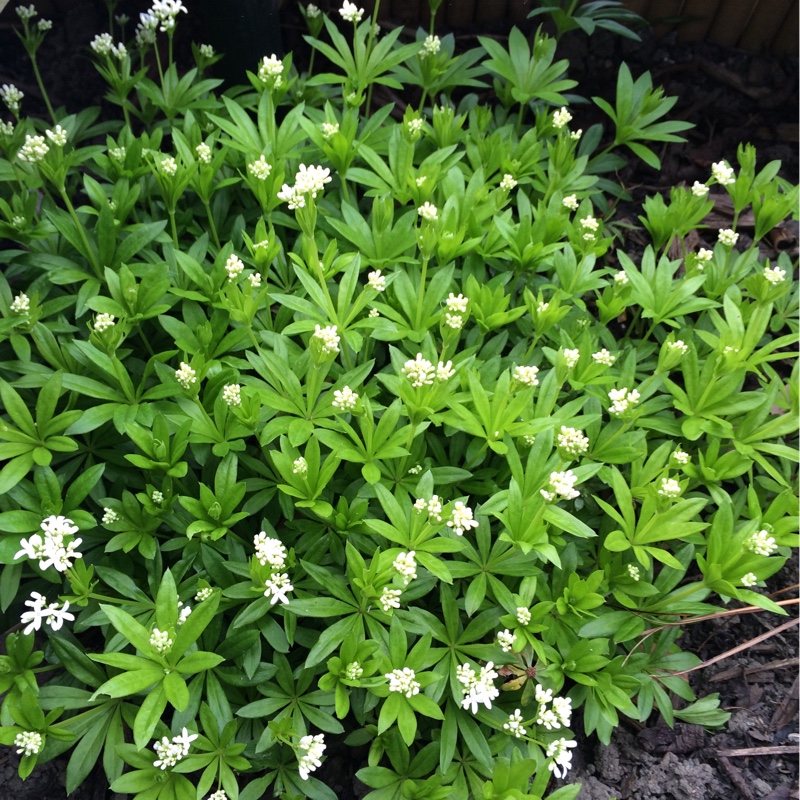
[
  {"x": 421, "y": 294},
  {"x": 90, "y": 255},
  {"x": 212, "y": 225},
  {"x": 173, "y": 227},
  {"x": 158, "y": 66},
  {"x": 370, "y": 42},
  {"x": 41, "y": 87},
  {"x": 311, "y": 63}
]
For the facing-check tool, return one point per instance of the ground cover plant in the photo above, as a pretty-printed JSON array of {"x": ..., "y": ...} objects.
[{"x": 332, "y": 430}]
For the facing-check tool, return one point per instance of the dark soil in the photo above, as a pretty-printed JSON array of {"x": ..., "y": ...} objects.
[{"x": 731, "y": 97}]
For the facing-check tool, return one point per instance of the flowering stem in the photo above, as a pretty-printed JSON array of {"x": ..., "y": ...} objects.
[
  {"x": 174, "y": 227},
  {"x": 41, "y": 87},
  {"x": 158, "y": 66},
  {"x": 421, "y": 294},
  {"x": 370, "y": 42},
  {"x": 311, "y": 63},
  {"x": 211, "y": 224},
  {"x": 90, "y": 255}
]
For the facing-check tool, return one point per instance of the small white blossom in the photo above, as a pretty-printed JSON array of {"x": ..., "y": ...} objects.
[
  {"x": 479, "y": 688},
  {"x": 621, "y": 278},
  {"x": 171, "y": 752},
  {"x": 728, "y": 237},
  {"x": 376, "y": 281},
  {"x": 749, "y": 580},
  {"x": 570, "y": 202},
  {"x": 572, "y": 441},
  {"x": 508, "y": 182},
  {"x": 118, "y": 153},
  {"x": 58, "y": 136},
  {"x": 311, "y": 749},
  {"x": 604, "y": 357},
  {"x": 234, "y": 267},
  {"x": 34, "y": 149},
  {"x": 300, "y": 467},
  {"x": 119, "y": 51},
  {"x": 622, "y": 401},
  {"x": 403, "y": 681},
  {"x": 722, "y": 173},
  {"x": 430, "y": 47},
  {"x": 103, "y": 322},
  {"x": 514, "y": 724},
  {"x": 633, "y": 572},
  {"x": 562, "y": 757},
  {"x": 185, "y": 375},
  {"x": 269, "y": 551},
  {"x": 561, "y": 484},
  {"x": 406, "y": 565},
  {"x": 699, "y": 189},
  {"x": 184, "y": 614},
  {"x": 428, "y": 211},
  {"x": 157, "y": 497},
  {"x": 457, "y": 304},
  {"x": 774, "y": 275},
  {"x": 571, "y": 356},
  {"x": 435, "y": 508},
  {"x": 6, "y": 128},
  {"x": 543, "y": 695},
  {"x": 462, "y": 519},
  {"x": 542, "y": 307},
  {"x": 270, "y": 71},
  {"x": 203, "y": 594},
  {"x": 206, "y": 50},
  {"x": 203, "y": 152},
  {"x": 681, "y": 457},
  {"x": 146, "y": 29},
  {"x": 277, "y": 587},
  {"x": 561, "y": 118},
  {"x": 526, "y": 375},
  {"x": 704, "y": 255},
  {"x": 160, "y": 641},
  {"x": 232, "y": 394},
  {"x": 28, "y": 743},
  {"x": 169, "y": 166},
  {"x": 575, "y": 135},
  {"x": 506, "y": 640},
  {"x": 26, "y": 13},
  {"x": 329, "y": 130},
  {"x": 761, "y": 543},
  {"x": 523, "y": 615},
  {"x": 420, "y": 505},
  {"x": 419, "y": 371},
  {"x": 562, "y": 707},
  {"x": 53, "y": 549},
  {"x": 529, "y": 440},
  {"x": 415, "y": 128},
  {"x": 329, "y": 338},
  {"x": 220, "y": 794},
  {"x": 353, "y": 671},
  {"x": 390, "y": 598},
  {"x": 166, "y": 12},
  {"x": 669, "y": 488},
  {"x": 312, "y": 12},
  {"x": 11, "y": 96},
  {"x": 54, "y": 615},
  {"x": 259, "y": 169},
  {"x": 255, "y": 280},
  {"x": 350, "y": 12},
  {"x": 109, "y": 516},
  {"x": 678, "y": 346},
  {"x": 374, "y": 313},
  {"x": 344, "y": 399},
  {"x": 21, "y": 304},
  {"x": 102, "y": 44},
  {"x": 444, "y": 371},
  {"x": 454, "y": 321}
]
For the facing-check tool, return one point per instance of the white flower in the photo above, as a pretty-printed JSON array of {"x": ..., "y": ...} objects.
[
  {"x": 21, "y": 304},
  {"x": 277, "y": 586},
  {"x": 390, "y": 598},
  {"x": 11, "y": 96},
  {"x": 678, "y": 346},
  {"x": 406, "y": 565},
  {"x": 118, "y": 153},
  {"x": 457, "y": 304},
  {"x": 681, "y": 457},
  {"x": 109, "y": 516},
  {"x": 590, "y": 223},
  {"x": 575, "y": 135},
  {"x": 774, "y": 275},
  {"x": 669, "y": 488},
  {"x": 526, "y": 375},
  {"x": 543, "y": 695},
  {"x": 207, "y": 51},
  {"x": 604, "y": 357},
  {"x": 312, "y": 12},
  {"x": 203, "y": 152},
  {"x": 269, "y": 551},
  {"x": 270, "y": 71},
  {"x": 454, "y": 321},
  {"x": 444, "y": 371},
  {"x": 621, "y": 278},
  {"x": 462, "y": 519},
  {"x": 571, "y": 356},
  {"x": 52, "y": 550},
  {"x": 633, "y": 571},
  {"x": 160, "y": 642},
  {"x": 508, "y": 182},
  {"x": 308, "y": 180},
  {"x": 761, "y": 543},
  {"x": 28, "y": 743},
  {"x": 234, "y": 267},
  {"x": 103, "y": 322},
  {"x": 26, "y": 13},
  {"x": 232, "y": 394},
  {"x": 728, "y": 237},
  {"x": 119, "y": 51},
  {"x": 58, "y": 137},
  {"x": 40, "y": 612},
  {"x": 259, "y": 169},
  {"x": 329, "y": 130},
  {"x": 329, "y": 338},
  {"x": 184, "y": 613},
  {"x": 415, "y": 128},
  {"x": 542, "y": 307},
  {"x": 506, "y": 640},
  {"x": 419, "y": 371},
  {"x": 420, "y": 505},
  {"x": 373, "y": 313},
  {"x": 703, "y": 256},
  {"x": 523, "y": 615},
  {"x": 561, "y": 484},
  {"x": 166, "y": 12},
  {"x": 350, "y": 12},
  {"x": 254, "y": 280},
  {"x": 479, "y": 688},
  {"x": 514, "y": 724},
  {"x": 376, "y": 281},
  {"x": 562, "y": 707},
  {"x": 428, "y": 211},
  {"x": 102, "y": 44},
  {"x": 353, "y": 671},
  {"x": 344, "y": 400},
  {"x": 403, "y": 681},
  {"x": 203, "y": 594},
  {"x": 415, "y": 470},
  {"x": 312, "y": 748},
  {"x": 300, "y": 467},
  {"x": 430, "y": 47},
  {"x": 169, "y": 166},
  {"x": 171, "y": 752},
  {"x": 185, "y": 375},
  {"x": 570, "y": 202},
  {"x": 622, "y": 401},
  {"x": 6, "y": 128},
  {"x": 699, "y": 189},
  {"x": 146, "y": 29},
  {"x": 572, "y": 441},
  {"x": 722, "y": 173},
  {"x": 749, "y": 580},
  {"x": 561, "y": 118},
  {"x": 157, "y": 497},
  {"x": 529, "y": 440},
  {"x": 220, "y": 794},
  {"x": 34, "y": 149},
  {"x": 56, "y": 616},
  {"x": 435, "y": 508},
  {"x": 562, "y": 757}
]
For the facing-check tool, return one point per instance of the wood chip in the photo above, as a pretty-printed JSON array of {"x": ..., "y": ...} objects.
[{"x": 773, "y": 750}]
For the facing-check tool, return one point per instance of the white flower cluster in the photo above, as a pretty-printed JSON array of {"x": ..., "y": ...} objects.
[
  {"x": 699, "y": 189},
  {"x": 572, "y": 441},
  {"x": 572, "y": 356},
  {"x": 28, "y": 743},
  {"x": 103, "y": 322},
  {"x": 103, "y": 45},
  {"x": 761, "y": 543},
  {"x": 622, "y": 401},
  {"x": 185, "y": 375},
  {"x": 171, "y": 752},
  {"x": 311, "y": 749},
  {"x": 704, "y": 255},
  {"x": 390, "y": 598},
  {"x": 681, "y": 457},
  {"x": 160, "y": 641},
  {"x": 26, "y": 13},
  {"x": 169, "y": 166},
  {"x": 415, "y": 128},
  {"x": 749, "y": 579},
  {"x": 478, "y": 686},
  {"x": 58, "y": 136},
  {"x": 570, "y": 202},
  {"x": 166, "y": 12},
  {"x": 157, "y": 497},
  {"x": 329, "y": 130},
  {"x": 269, "y": 551},
  {"x": 277, "y": 587},
  {"x": 421, "y": 372},
  {"x": 722, "y": 173},
  {"x": 562, "y": 757},
  {"x": 11, "y": 96},
  {"x": 508, "y": 182},
  {"x": 329, "y": 337},
  {"x": 774, "y": 275},
  {"x": 561, "y": 484},
  {"x": 300, "y": 467},
  {"x": 514, "y": 724},
  {"x": 462, "y": 519},
  {"x": 560, "y": 713},
  {"x": 207, "y": 51},
  {"x": 431, "y": 46},
  {"x": 232, "y": 394},
  {"x": 260, "y": 169},
  {"x": 728, "y": 237},
  {"x": 185, "y": 612},
  {"x": 203, "y": 594},
  {"x": 678, "y": 346},
  {"x": 203, "y": 152},
  {"x": 456, "y": 308},
  {"x": 433, "y": 506},
  {"x": 633, "y": 572},
  {"x": 506, "y": 640},
  {"x": 53, "y": 614},
  {"x": 234, "y": 266},
  {"x": 109, "y": 516},
  {"x": 523, "y": 615},
  {"x": 53, "y": 549},
  {"x": 403, "y": 681},
  {"x": 312, "y": 11},
  {"x": 526, "y": 375},
  {"x": 604, "y": 357},
  {"x": 307, "y": 181},
  {"x": 344, "y": 399},
  {"x": 34, "y": 150},
  {"x": 427, "y": 210},
  {"x": 21, "y": 304},
  {"x": 406, "y": 565},
  {"x": 270, "y": 71},
  {"x": 669, "y": 488},
  {"x": 350, "y": 12},
  {"x": 376, "y": 281},
  {"x": 561, "y": 118}
]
